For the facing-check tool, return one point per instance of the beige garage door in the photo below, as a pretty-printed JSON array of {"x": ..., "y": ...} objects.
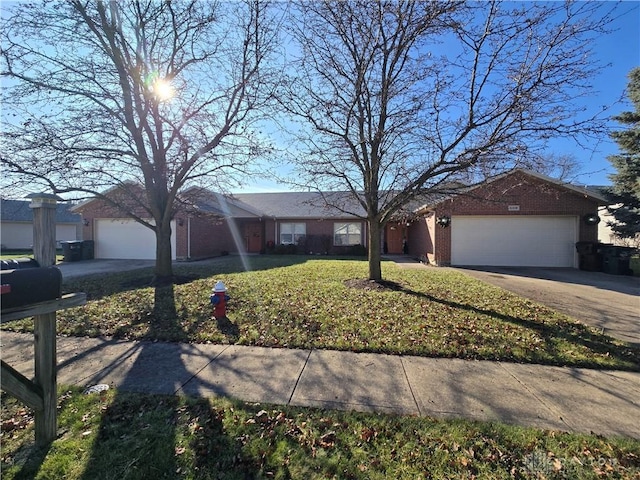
[
  {"x": 525, "y": 241},
  {"x": 127, "y": 239}
]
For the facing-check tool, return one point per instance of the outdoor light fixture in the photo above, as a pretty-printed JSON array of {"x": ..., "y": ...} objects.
[
  {"x": 86, "y": 222},
  {"x": 591, "y": 219},
  {"x": 444, "y": 221}
]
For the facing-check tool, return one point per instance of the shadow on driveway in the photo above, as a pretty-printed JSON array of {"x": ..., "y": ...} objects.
[
  {"x": 616, "y": 283},
  {"x": 608, "y": 302}
]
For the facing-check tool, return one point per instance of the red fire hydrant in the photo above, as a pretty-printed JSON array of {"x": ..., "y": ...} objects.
[{"x": 219, "y": 299}]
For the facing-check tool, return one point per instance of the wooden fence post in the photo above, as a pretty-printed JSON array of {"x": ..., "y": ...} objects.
[{"x": 44, "y": 251}]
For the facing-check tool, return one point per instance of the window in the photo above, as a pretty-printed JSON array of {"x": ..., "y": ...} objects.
[
  {"x": 347, "y": 233},
  {"x": 290, "y": 233}
]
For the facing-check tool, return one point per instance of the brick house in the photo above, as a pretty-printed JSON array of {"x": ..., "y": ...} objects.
[
  {"x": 520, "y": 218},
  {"x": 516, "y": 219},
  {"x": 211, "y": 224}
]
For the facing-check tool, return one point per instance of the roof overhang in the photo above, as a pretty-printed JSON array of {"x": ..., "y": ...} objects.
[{"x": 584, "y": 191}]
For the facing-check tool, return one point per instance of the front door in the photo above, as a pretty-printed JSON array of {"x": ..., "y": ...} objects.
[
  {"x": 394, "y": 236},
  {"x": 253, "y": 235}
]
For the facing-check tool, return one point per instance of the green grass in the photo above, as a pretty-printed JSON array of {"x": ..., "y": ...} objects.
[
  {"x": 129, "y": 436},
  {"x": 303, "y": 302},
  {"x": 13, "y": 254}
]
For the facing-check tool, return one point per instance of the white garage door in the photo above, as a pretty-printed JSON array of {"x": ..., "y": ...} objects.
[
  {"x": 127, "y": 239},
  {"x": 525, "y": 241}
]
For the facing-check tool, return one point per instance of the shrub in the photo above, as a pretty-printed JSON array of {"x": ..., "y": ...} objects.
[
  {"x": 634, "y": 264},
  {"x": 285, "y": 249},
  {"x": 358, "y": 250}
]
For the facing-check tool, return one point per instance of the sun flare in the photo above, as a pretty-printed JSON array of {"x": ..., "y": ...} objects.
[{"x": 163, "y": 89}]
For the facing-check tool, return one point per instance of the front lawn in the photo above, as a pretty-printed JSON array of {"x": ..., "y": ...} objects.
[
  {"x": 307, "y": 302},
  {"x": 114, "y": 435},
  {"x": 312, "y": 303},
  {"x": 14, "y": 254}
]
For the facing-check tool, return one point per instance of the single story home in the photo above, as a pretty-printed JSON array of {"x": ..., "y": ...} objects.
[
  {"x": 517, "y": 219},
  {"x": 211, "y": 224},
  {"x": 16, "y": 229},
  {"x": 520, "y": 218}
]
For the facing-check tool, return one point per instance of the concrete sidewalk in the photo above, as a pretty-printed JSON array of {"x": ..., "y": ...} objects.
[{"x": 570, "y": 399}]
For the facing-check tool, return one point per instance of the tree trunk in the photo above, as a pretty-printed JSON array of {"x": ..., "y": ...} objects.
[
  {"x": 375, "y": 269},
  {"x": 164, "y": 267}
]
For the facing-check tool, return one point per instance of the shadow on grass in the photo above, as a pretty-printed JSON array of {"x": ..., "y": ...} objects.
[
  {"x": 31, "y": 457},
  {"x": 573, "y": 333},
  {"x": 229, "y": 329},
  {"x": 101, "y": 285},
  {"x": 163, "y": 435}
]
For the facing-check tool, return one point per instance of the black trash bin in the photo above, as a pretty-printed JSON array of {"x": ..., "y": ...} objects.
[
  {"x": 588, "y": 257},
  {"x": 87, "y": 250},
  {"x": 586, "y": 248},
  {"x": 72, "y": 251}
]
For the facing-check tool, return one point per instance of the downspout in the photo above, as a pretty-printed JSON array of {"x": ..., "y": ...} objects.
[
  {"x": 275, "y": 232},
  {"x": 188, "y": 238}
]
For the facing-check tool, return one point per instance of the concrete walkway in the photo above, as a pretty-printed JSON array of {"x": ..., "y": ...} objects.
[{"x": 569, "y": 399}]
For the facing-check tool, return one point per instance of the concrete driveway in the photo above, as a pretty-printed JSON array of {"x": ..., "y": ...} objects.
[
  {"x": 89, "y": 267},
  {"x": 608, "y": 302}
]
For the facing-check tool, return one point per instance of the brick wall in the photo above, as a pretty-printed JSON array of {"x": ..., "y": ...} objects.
[
  {"x": 101, "y": 209},
  {"x": 210, "y": 237},
  {"x": 420, "y": 238}
]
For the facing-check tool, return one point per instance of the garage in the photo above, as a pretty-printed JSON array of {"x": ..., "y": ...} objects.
[
  {"x": 526, "y": 241},
  {"x": 121, "y": 238}
]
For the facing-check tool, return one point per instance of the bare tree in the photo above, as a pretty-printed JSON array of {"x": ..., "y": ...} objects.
[
  {"x": 160, "y": 94},
  {"x": 401, "y": 98}
]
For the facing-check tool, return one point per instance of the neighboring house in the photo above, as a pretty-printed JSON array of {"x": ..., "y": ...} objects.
[
  {"x": 606, "y": 235},
  {"x": 519, "y": 219},
  {"x": 16, "y": 230}
]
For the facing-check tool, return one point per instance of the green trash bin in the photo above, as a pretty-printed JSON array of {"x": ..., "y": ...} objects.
[{"x": 616, "y": 260}]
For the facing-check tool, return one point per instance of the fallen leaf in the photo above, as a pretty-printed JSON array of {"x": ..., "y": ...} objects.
[
  {"x": 328, "y": 440},
  {"x": 557, "y": 465},
  {"x": 367, "y": 434}
]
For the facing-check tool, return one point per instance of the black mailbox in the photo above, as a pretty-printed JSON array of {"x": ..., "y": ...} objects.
[
  {"x": 18, "y": 263},
  {"x": 21, "y": 287}
]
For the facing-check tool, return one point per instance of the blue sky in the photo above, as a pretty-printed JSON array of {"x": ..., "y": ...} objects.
[{"x": 619, "y": 51}]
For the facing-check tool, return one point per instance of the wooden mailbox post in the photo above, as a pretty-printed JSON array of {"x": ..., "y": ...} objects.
[{"x": 41, "y": 393}]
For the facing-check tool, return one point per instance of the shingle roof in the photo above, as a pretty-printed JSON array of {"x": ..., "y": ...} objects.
[
  {"x": 594, "y": 193},
  {"x": 311, "y": 205},
  {"x": 19, "y": 211},
  {"x": 300, "y": 204}
]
